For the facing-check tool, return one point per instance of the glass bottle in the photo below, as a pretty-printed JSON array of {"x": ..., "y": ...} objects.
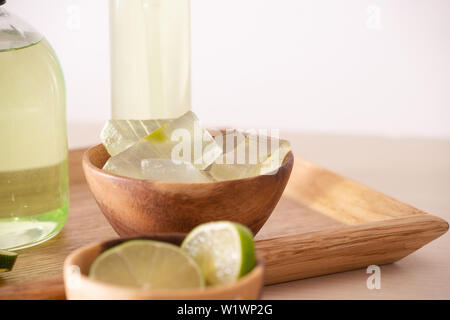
[
  {"x": 33, "y": 138},
  {"x": 150, "y": 59}
]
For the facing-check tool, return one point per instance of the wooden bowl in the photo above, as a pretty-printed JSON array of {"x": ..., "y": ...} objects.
[
  {"x": 79, "y": 286},
  {"x": 137, "y": 207}
]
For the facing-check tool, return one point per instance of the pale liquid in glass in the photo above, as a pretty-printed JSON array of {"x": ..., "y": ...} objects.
[
  {"x": 150, "y": 57},
  {"x": 33, "y": 146}
]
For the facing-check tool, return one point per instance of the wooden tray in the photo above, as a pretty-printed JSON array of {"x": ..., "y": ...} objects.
[{"x": 323, "y": 224}]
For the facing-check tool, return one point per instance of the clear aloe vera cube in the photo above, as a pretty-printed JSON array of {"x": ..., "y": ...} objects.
[
  {"x": 126, "y": 164},
  {"x": 167, "y": 170},
  {"x": 224, "y": 172},
  {"x": 233, "y": 144},
  {"x": 274, "y": 159},
  {"x": 134, "y": 163},
  {"x": 184, "y": 140},
  {"x": 181, "y": 141},
  {"x": 250, "y": 155},
  {"x": 119, "y": 135}
]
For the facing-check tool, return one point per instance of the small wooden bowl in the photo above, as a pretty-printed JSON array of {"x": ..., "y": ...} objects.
[
  {"x": 137, "y": 207},
  {"x": 79, "y": 286}
]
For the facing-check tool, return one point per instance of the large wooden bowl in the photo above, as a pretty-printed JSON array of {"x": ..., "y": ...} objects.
[
  {"x": 138, "y": 207},
  {"x": 79, "y": 286}
]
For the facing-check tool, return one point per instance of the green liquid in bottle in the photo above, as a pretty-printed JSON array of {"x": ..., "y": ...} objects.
[{"x": 33, "y": 146}]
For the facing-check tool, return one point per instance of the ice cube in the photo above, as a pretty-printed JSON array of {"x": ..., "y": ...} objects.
[
  {"x": 252, "y": 156},
  {"x": 167, "y": 170},
  {"x": 119, "y": 135}
]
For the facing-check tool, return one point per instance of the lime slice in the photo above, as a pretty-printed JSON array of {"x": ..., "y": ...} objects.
[
  {"x": 148, "y": 265},
  {"x": 7, "y": 260},
  {"x": 224, "y": 251}
]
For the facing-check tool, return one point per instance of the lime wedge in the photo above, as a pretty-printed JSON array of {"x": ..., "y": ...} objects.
[
  {"x": 7, "y": 260},
  {"x": 148, "y": 265},
  {"x": 224, "y": 251}
]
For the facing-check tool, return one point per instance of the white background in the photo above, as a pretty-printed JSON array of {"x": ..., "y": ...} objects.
[{"x": 344, "y": 66}]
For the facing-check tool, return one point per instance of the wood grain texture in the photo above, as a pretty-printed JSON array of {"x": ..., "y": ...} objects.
[
  {"x": 347, "y": 248},
  {"x": 136, "y": 207},
  {"x": 343, "y": 199},
  {"x": 48, "y": 289},
  {"x": 302, "y": 238}
]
